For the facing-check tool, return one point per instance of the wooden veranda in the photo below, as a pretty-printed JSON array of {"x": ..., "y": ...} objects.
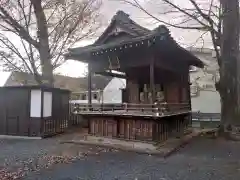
[{"x": 131, "y": 121}]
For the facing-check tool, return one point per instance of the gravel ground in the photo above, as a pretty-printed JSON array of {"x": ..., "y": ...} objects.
[
  {"x": 19, "y": 157},
  {"x": 13, "y": 149},
  {"x": 205, "y": 159}
]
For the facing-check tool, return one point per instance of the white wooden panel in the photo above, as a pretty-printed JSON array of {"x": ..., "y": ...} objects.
[
  {"x": 35, "y": 105},
  {"x": 47, "y": 104}
]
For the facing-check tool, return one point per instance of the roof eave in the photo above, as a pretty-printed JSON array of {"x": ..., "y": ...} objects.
[
  {"x": 193, "y": 60},
  {"x": 198, "y": 63},
  {"x": 76, "y": 56}
]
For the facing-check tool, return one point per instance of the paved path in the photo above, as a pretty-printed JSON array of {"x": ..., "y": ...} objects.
[{"x": 201, "y": 160}]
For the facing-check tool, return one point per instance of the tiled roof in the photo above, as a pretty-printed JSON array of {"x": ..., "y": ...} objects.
[
  {"x": 122, "y": 20},
  {"x": 134, "y": 35},
  {"x": 63, "y": 82},
  {"x": 159, "y": 31}
]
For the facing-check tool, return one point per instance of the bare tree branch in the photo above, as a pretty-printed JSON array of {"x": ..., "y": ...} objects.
[
  {"x": 202, "y": 16},
  {"x": 42, "y": 30},
  {"x": 137, "y": 5},
  {"x": 17, "y": 27}
]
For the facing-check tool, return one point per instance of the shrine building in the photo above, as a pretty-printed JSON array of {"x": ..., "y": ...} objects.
[{"x": 157, "y": 103}]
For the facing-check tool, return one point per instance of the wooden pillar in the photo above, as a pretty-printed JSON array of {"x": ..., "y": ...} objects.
[
  {"x": 132, "y": 91},
  {"x": 152, "y": 82},
  {"x": 180, "y": 89},
  {"x": 89, "y": 85},
  {"x": 189, "y": 99}
]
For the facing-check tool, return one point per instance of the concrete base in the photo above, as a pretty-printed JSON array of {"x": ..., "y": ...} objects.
[
  {"x": 164, "y": 149},
  {"x": 18, "y": 137},
  {"x": 119, "y": 143}
]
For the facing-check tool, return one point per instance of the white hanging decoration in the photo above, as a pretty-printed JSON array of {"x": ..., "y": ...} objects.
[
  {"x": 111, "y": 65},
  {"x": 161, "y": 37}
]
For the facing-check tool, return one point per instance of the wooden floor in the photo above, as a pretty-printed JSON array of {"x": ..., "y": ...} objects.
[{"x": 133, "y": 113}]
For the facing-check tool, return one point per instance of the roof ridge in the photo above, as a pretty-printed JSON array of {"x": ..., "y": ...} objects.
[
  {"x": 120, "y": 15},
  {"x": 123, "y": 19}
]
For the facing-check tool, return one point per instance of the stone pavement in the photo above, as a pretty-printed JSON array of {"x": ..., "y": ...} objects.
[{"x": 203, "y": 159}]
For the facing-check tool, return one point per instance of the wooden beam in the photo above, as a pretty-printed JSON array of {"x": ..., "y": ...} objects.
[{"x": 105, "y": 73}]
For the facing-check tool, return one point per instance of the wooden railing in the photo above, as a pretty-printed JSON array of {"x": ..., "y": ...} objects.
[
  {"x": 127, "y": 107},
  {"x": 199, "y": 116},
  {"x": 206, "y": 120}
]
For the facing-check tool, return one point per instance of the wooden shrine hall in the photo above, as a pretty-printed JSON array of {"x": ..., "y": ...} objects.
[{"x": 156, "y": 99}]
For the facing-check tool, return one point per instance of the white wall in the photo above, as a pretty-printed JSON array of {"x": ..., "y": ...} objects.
[
  {"x": 116, "y": 83},
  {"x": 207, "y": 99},
  {"x": 112, "y": 96},
  {"x": 207, "y": 102},
  {"x": 4, "y": 77},
  {"x": 112, "y": 93}
]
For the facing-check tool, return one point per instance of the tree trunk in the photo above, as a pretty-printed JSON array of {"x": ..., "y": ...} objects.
[
  {"x": 229, "y": 85},
  {"x": 44, "y": 50}
]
